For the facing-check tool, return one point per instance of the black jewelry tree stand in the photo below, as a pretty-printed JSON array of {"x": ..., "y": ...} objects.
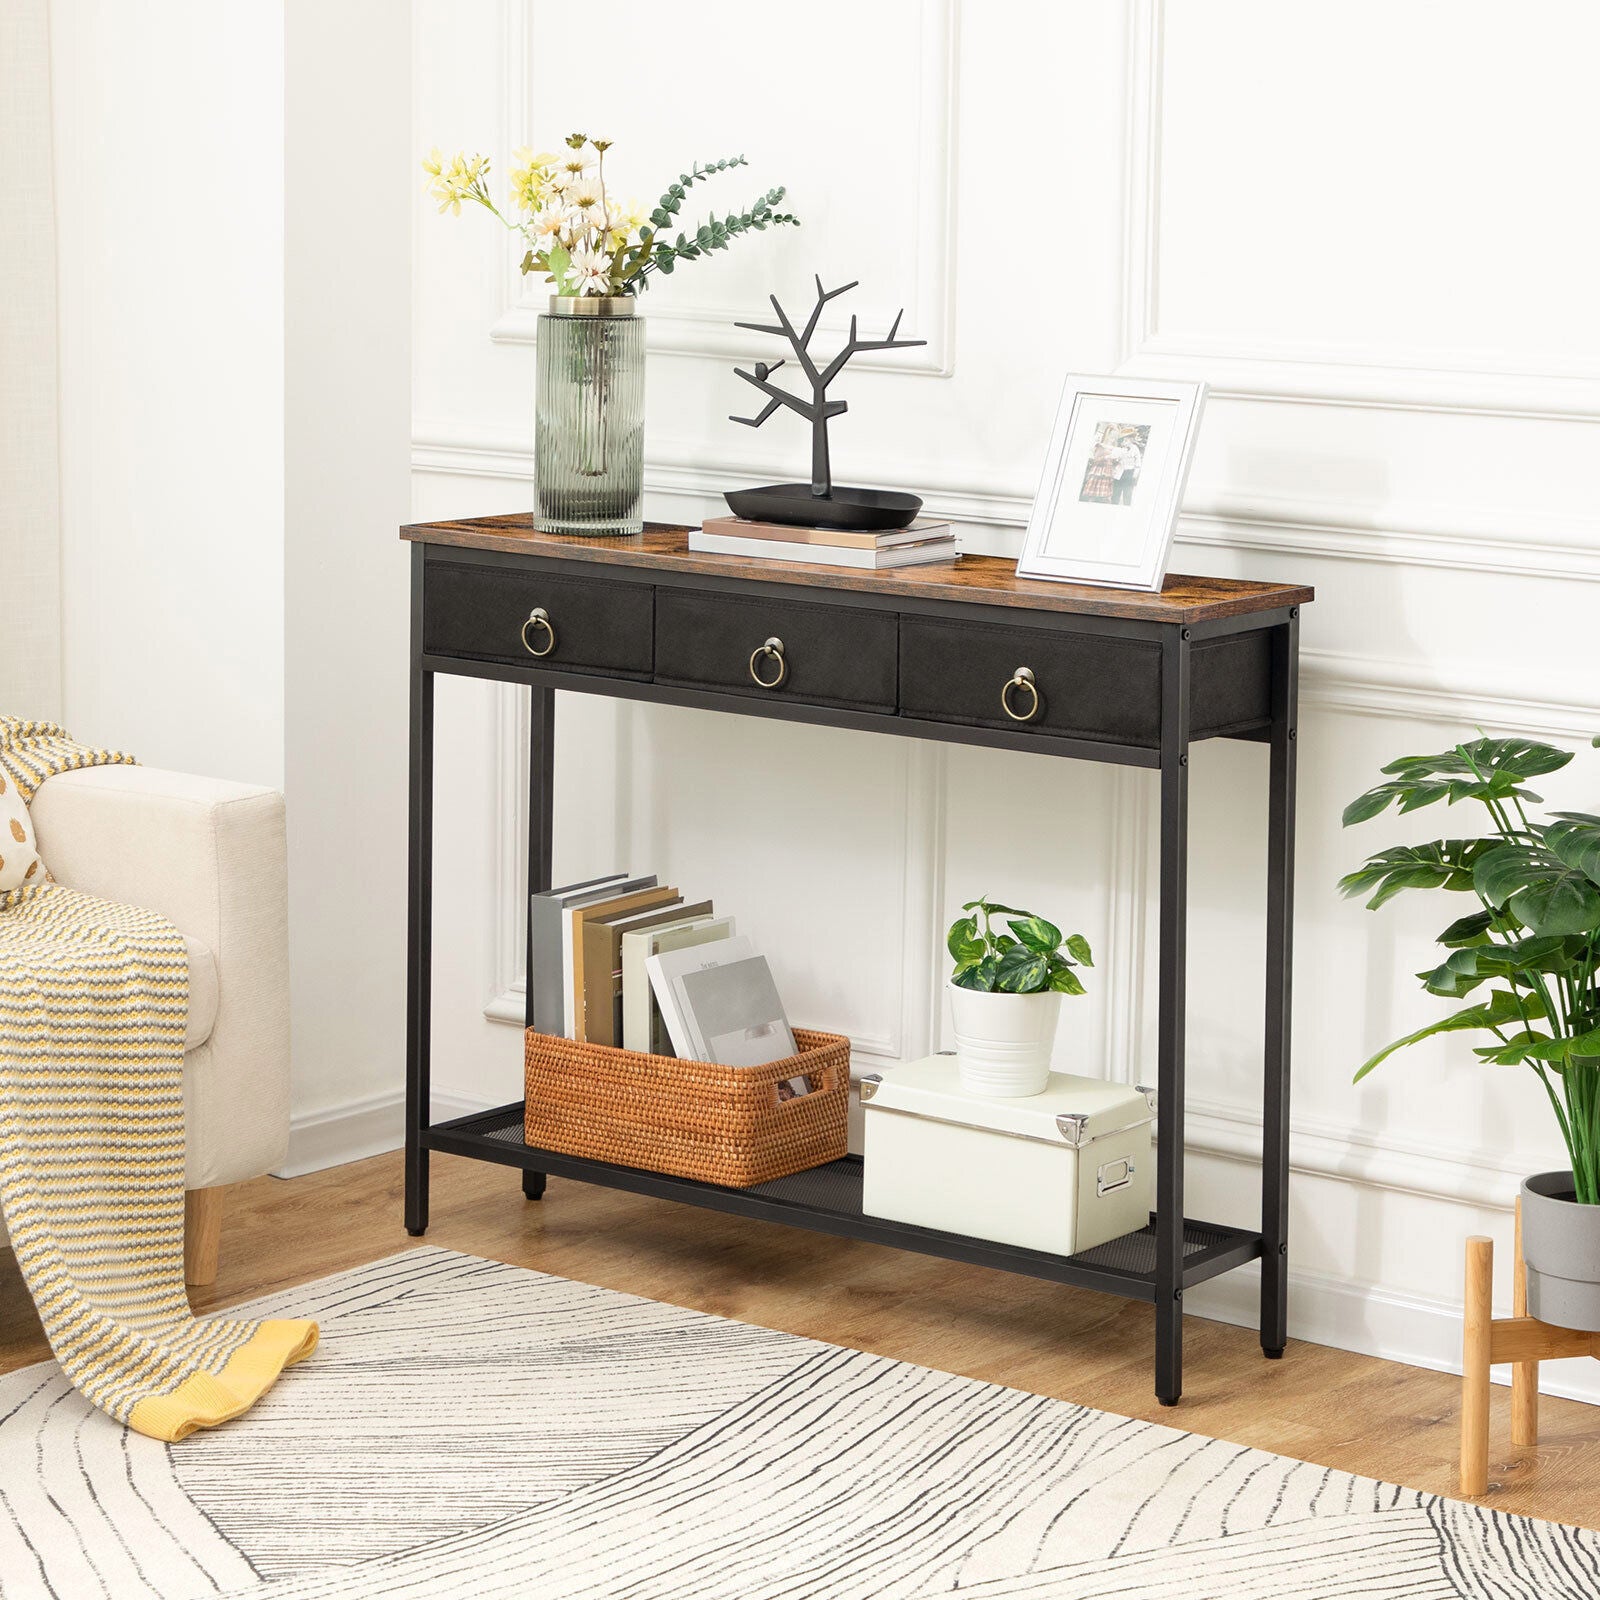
[{"x": 818, "y": 504}]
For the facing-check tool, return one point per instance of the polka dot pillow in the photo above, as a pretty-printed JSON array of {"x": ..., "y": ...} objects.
[{"x": 19, "y": 855}]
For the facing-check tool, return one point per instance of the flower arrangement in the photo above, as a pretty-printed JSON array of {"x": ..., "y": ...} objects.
[{"x": 584, "y": 241}]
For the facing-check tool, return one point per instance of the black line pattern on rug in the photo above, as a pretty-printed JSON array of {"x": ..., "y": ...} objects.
[{"x": 472, "y": 1430}]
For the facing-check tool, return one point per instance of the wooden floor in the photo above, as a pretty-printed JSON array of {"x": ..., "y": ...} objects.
[{"x": 1352, "y": 1412}]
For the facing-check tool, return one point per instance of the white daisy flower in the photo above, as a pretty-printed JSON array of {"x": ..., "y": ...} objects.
[{"x": 590, "y": 272}]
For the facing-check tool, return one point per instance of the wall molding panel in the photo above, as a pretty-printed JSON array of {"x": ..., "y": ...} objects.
[
  {"x": 508, "y": 986},
  {"x": 1377, "y": 376},
  {"x": 708, "y": 331},
  {"x": 1566, "y": 549},
  {"x": 1453, "y": 538},
  {"x": 1132, "y": 869},
  {"x": 1364, "y": 686}
]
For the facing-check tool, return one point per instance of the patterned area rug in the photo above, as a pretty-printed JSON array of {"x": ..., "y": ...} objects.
[{"x": 472, "y": 1429}]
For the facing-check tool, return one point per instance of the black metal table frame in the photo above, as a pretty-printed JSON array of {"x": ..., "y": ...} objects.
[{"x": 1173, "y": 1269}]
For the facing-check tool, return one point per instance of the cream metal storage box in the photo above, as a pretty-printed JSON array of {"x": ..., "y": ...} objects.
[{"x": 1060, "y": 1171}]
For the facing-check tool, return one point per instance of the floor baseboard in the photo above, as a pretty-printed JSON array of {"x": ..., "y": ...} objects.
[
  {"x": 369, "y": 1126},
  {"x": 1375, "y": 1322}
]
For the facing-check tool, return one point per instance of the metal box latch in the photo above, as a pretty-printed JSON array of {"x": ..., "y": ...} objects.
[{"x": 1113, "y": 1175}]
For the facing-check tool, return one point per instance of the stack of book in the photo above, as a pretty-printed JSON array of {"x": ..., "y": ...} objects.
[
  {"x": 923, "y": 541},
  {"x": 626, "y": 962}
]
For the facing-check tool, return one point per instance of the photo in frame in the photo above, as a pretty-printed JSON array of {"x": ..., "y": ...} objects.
[{"x": 1107, "y": 505}]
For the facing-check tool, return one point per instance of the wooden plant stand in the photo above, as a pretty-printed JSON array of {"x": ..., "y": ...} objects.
[{"x": 1522, "y": 1340}]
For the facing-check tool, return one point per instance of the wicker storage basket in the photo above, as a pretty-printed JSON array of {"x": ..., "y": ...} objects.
[{"x": 693, "y": 1119}]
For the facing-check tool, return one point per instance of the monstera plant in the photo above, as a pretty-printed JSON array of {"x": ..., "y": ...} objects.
[{"x": 1526, "y": 955}]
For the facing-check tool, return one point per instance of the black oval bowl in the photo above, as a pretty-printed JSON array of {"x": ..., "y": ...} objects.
[{"x": 794, "y": 505}]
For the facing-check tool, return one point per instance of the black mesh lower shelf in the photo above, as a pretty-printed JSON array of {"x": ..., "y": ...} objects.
[{"x": 828, "y": 1199}]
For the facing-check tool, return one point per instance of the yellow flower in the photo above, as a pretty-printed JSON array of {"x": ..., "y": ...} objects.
[
  {"x": 525, "y": 182},
  {"x": 461, "y": 180}
]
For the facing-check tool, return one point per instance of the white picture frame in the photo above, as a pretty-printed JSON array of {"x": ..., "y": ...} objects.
[{"x": 1107, "y": 506}]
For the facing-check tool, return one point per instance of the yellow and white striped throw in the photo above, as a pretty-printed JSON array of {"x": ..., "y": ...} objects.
[{"x": 94, "y": 999}]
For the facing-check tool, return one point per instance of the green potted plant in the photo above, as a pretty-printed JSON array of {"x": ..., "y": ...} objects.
[
  {"x": 1529, "y": 952},
  {"x": 1005, "y": 996}
]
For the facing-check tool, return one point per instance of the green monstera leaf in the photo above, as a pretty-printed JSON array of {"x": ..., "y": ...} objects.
[
  {"x": 1486, "y": 769},
  {"x": 1538, "y": 887},
  {"x": 1444, "y": 864},
  {"x": 1500, "y": 1009},
  {"x": 1574, "y": 838}
]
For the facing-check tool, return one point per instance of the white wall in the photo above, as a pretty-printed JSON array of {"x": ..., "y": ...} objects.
[
  {"x": 30, "y": 465},
  {"x": 205, "y": 546},
  {"x": 168, "y": 123},
  {"x": 347, "y": 161},
  {"x": 1311, "y": 208}
]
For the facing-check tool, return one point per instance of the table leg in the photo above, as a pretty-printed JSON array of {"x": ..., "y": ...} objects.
[
  {"x": 1172, "y": 1013},
  {"x": 419, "y": 920},
  {"x": 1280, "y": 926},
  {"x": 541, "y": 842}
]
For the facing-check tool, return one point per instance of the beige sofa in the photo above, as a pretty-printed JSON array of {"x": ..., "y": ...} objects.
[{"x": 210, "y": 857}]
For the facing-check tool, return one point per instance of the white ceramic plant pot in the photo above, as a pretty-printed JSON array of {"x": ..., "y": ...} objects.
[{"x": 1003, "y": 1040}]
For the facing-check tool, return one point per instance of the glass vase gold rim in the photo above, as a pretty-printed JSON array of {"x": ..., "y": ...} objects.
[{"x": 592, "y": 305}]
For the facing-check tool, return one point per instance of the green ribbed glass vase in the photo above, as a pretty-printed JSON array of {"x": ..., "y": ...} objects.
[{"x": 589, "y": 422}]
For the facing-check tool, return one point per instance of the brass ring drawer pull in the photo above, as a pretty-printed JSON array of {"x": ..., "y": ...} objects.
[
  {"x": 539, "y": 618},
  {"x": 1022, "y": 678},
  {"x": 771, "y": 650}
]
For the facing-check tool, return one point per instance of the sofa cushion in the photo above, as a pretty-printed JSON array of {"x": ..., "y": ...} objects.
[
  {"x": 19, "y": 854},
  {"x": 204, "y": 993}
]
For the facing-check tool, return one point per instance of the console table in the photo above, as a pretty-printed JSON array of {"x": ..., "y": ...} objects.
[{"x": 966, "y": 652}]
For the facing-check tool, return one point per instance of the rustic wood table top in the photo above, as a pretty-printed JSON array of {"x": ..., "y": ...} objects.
[{"x": 982, "y": 580}]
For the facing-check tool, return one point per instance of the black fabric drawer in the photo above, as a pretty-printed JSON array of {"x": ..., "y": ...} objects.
[
  {"x": 601, "y": 625},
  {"x": 1090, "y": 686},
  {"x": 1230, "y": 684},
  {"x": 835, "y": 655}
]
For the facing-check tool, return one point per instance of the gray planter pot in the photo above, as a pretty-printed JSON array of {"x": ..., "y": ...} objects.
[{"x": 1561, "y": 1244}]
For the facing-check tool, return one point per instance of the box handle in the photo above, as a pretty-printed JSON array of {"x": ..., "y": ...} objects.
[
  {"x": 1113, "y": 1175},
  {"x": 820, "y": 1079}
]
